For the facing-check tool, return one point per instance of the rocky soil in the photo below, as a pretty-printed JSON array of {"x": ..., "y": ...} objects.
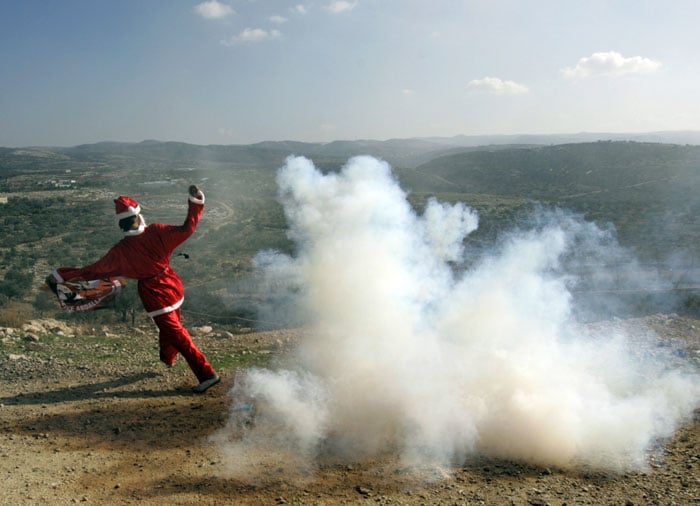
[{"x": 89, "y": 416}]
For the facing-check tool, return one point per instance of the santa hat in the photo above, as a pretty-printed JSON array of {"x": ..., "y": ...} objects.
[{"x": 125, "y": 207}]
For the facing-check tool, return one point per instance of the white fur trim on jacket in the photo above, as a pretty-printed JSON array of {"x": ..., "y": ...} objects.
[
  {"x": 196, "y": 200},
  {"x": 137, "y": 231},
  {"x": 57, "y": 276},
  {"x": 167, "y": 309}
]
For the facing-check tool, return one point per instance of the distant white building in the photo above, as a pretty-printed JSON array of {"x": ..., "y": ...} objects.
[{"x": 3, "y": 200}]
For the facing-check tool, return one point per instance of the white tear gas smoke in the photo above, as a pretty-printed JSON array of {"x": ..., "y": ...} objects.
[{"x": 407, "y": 354}]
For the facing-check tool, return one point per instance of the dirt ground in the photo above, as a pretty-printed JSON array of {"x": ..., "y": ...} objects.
[{"x": 98, "y": 420}]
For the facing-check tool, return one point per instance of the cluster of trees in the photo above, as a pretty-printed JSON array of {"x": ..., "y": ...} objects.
[
  {"x": 38, "y": 233},
  {"x": 25, "y": 220}
]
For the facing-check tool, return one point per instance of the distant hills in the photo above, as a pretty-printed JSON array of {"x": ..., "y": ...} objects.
[{"x": 407, "y": 153}]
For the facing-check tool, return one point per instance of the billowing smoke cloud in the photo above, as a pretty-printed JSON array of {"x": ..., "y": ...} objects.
[{"x": 407, "y": 353}]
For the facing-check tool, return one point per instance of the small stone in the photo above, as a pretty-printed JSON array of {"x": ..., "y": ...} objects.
[{"x": 363, "y": 490}]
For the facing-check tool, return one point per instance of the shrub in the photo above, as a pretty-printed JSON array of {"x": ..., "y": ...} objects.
[{"x": 14, "y": 314}]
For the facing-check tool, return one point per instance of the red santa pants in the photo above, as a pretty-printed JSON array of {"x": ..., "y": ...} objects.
[{"x": 174, "y": 338}]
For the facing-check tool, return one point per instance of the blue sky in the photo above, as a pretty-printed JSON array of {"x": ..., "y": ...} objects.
[{"x": 243, "y": 71}]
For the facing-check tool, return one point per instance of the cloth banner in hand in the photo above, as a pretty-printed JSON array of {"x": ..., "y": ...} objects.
[{"x": 87, "y": 295}]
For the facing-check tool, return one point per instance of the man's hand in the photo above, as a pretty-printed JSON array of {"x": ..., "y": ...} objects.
[{"x": 194, "y": 191}]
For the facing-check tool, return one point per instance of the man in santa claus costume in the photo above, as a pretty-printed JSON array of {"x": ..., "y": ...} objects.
[{"x": 144, "y": 254}]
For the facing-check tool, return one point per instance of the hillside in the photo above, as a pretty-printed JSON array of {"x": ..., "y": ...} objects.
[
  {"x": 569, "y": 170},
  {"x": 645, "y": 190},
  {"x": 648, "y": 191}
]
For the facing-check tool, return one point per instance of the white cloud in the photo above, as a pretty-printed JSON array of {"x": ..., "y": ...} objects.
[
  {"x": 610, "y": 63},
  {"x": 213, "y": 9},
  {"x": 252, "y": 35},
  {"x": 407, "y": 92},
  {"x": 497, "y": 86},
  {"x": 278, "y": 19},
  {"x": 339, "y": 6},
  {"x": 298, "y": 9}
]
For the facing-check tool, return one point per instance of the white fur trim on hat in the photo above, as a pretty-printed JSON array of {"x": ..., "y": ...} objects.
[{"x": 131, "y": 211}]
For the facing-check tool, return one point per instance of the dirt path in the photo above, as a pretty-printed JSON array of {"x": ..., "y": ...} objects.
[{"x": 128, "y": 431}]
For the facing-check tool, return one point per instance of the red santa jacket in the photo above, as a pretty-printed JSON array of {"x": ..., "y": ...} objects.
[{"x": 145, "y": 255}]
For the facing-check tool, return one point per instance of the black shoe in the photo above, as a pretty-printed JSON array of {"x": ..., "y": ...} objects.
[{"x": 209, "y": 382}]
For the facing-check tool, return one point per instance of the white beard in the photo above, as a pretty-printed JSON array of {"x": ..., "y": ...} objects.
[{"x": 137, "y": 231}]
